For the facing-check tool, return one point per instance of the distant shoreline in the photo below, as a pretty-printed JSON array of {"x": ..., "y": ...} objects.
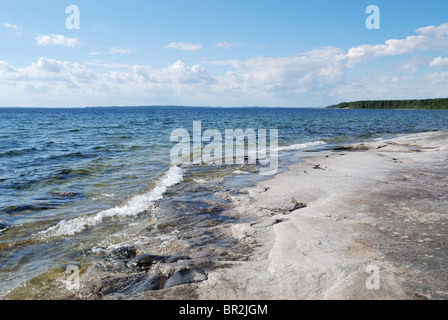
[
  {"x": 214, "y": 107},
  {"x": 386, "y": 109},
  {"x": 422, "y": 104}
]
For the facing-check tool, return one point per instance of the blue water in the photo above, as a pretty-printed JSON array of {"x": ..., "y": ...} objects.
[{"x": 58, "y": 165}]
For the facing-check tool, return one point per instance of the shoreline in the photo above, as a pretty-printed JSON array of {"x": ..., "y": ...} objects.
[
  {"x": 315, "y": 230},
  {"x": 377, "y": 204}
]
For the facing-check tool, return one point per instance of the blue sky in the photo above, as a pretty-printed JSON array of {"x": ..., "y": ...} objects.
[{"x": 220, "y": 52}]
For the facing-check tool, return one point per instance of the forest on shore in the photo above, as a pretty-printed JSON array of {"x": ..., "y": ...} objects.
[{"x": 433, "y": 104}]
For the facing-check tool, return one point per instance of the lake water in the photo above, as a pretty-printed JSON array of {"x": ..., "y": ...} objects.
[{"x": 76, "y": 183}]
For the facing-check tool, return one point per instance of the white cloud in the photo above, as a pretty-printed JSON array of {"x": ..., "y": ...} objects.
[
  {"x": 12, "y": 26},
  {"x": 99, "y": 63},
  {"x": 64, "y": 80},
  {"x": 408, "y": 67},
  {"x": 56, "y": 40},
  {"x": 184, "y": 46},
  {"x": 118, "y": 50},
  {"x": 306, "y": 79},
  {"x": 265, "y": 76},
  {"x": 427, "y": 39},
  {"x": 439, "y": 62},
  {"x": 16, "y": 29},
  {"x": 114, "y": 50},
  {"x": 226, "y": 45},
  {"x": 438, "y": 31}
]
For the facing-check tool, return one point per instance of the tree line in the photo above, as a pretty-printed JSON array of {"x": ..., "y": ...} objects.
[{"x": 440, "y": 103}]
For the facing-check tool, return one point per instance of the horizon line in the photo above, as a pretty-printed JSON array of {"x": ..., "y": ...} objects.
[{"x": 162, "y": 106}]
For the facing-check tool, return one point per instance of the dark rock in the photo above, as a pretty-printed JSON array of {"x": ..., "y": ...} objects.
[
  {"x": 120, "y": 284},
  {"x": 3, "y": 226},
  {"x": 145, "y": 262},
  {"x": 65, "y": 194},
  {"x": 360, "y": 147},
  {"x": 185, "y": 276},
  {"x": 162, "y": 282},
  {"x": 156, "y": 283},
  {"x": 122, "y": 253},
  {"x": 68, "y": 194},
  {"x": 174, "y": 258}
]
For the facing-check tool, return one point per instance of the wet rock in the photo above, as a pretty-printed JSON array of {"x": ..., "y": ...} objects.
[
  {"x": 146, "y": 261},
  {"x": 161, "y": 282},
  {"x": 156, "y": 283},
  {"x": 359, "y": 147},
  {"x": 3, "y": 226},
  {"x": 120, "y": 284},
  {"x": 65, "y": 194},
  {"x": 122, "y": 253},
  {"x": 185, "y": 276}
]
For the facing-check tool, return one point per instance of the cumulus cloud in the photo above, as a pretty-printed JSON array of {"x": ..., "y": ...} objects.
[
  {"x": 65, "y": 79},
  {"x": 185, "y": 46},
  {"x": 427, "y": 38},
  {"x": 99, "y": 63},
  {"x": 323, "y": 74},
  {"x": 438, "y": 79},
  {"x": 56, "y": 40},
  {"x": 266, "y": 76},
  {"x": 439, "y": 62}
]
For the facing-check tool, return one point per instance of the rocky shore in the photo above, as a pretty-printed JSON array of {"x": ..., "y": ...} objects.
[
  {"x": 364, "y": 221},
  {"x": 332, "y": 223}
]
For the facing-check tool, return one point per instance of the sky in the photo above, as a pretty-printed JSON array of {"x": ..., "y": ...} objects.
[{"x": 283, "y": 53}]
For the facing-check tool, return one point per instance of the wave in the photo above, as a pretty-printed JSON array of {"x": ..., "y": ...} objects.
[
  {"x": 17, "y": 152},
  {"x": 302, "y": 145},
  {"x": 256, "y": 153},
  {"x": 132, "y": 207}
]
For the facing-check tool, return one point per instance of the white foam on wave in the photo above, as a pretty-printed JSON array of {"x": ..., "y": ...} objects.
[
  {"x": 132, "y": 207},
  {"x": 239, "y": 172},
  {"x": 302, "y": 145}
]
